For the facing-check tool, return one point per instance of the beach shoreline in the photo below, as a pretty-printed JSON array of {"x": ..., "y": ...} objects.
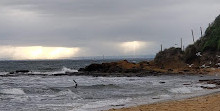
[{"x": 206, "y": 102}]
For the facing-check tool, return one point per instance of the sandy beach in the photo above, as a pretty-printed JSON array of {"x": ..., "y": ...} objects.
[{"x": 209, "y": 102}]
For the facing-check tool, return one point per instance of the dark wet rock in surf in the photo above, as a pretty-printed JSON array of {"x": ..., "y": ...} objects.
[
  {"x": 162, "y": 82},
  {"x": 22, "y": 71},
  {"x": 215, "y": 82}
]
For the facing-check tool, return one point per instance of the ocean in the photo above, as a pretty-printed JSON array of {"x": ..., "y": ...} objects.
[
  {"x": 58, "y": 93},
  {"x": 53, "y": 66}
]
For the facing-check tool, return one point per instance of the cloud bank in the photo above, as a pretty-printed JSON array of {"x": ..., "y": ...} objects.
[{"x": 98, "y": 27}]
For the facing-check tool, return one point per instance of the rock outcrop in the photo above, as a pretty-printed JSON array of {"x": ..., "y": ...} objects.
[
  {"x": 170, "y": 58},
  {"x": 114, "y": 67}
]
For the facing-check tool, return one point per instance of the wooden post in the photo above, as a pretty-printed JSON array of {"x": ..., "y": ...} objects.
[
  {"x": 161, "y": 46},
  {"x": 193, "y": 36},
  {"x": 201, "y": 31},
  {"x": 181, "y": 44}
]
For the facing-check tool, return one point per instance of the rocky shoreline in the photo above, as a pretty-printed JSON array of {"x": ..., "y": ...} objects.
[
  {"x": 95, "y": 74},
  {"x": 144, "y": 68},
  {"x": 124, "y": 69}
]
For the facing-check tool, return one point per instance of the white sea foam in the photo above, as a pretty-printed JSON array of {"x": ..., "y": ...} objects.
[
  {"x": 69, "y": 70},
  {"x": 185, "y": 90},
  {"x": 105, "y": 103},
  {"x": 3, "y": 73},
  {"x": 63, "y": 71},
  {"x": 20, "y": 98},
  {"x": 48, "y": 73},
  {"x": 60, "y": 105},
  {"x": 66, "y": 92},
  {"x": 165, "y": 96},
  {"x": 13, "y": 91},
  {"x": 58, "y": 93},
  {"x": 69, "y": 93}
]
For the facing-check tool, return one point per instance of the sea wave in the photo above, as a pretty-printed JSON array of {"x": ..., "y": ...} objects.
[
  {"x": 12, "y": 91},
  {"x": 207, "y": 85},
  {"x": 104, "y": 86},
  {"x": 185, "y": 90},
  {"x": 3, "y": 73},
  {"x": 105, "y": 103},
  {"x": 62, "y": 71}
]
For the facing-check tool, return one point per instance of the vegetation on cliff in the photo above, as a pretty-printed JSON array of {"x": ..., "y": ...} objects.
[
  {"x": 208, "y": 45},
  {"x": 204, "y": 51},
  {"x": 211, "y": 40}
]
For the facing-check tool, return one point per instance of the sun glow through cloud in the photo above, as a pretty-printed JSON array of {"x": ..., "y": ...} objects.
[
  {"x": 134, "y": 46},
  {"x": 37, "y": 52}
]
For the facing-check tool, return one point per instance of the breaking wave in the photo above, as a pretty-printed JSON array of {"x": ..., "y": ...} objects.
[{"x": 62, "y": 71}]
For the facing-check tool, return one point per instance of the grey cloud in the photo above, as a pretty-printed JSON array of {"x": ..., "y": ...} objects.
[{"x": 94, "y": 24}]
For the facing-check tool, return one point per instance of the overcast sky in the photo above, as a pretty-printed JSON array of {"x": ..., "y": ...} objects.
[{"x": 97, "y": 27}]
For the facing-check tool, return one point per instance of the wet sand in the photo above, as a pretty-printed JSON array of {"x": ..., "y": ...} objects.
[{"x": 209, "y": 102}]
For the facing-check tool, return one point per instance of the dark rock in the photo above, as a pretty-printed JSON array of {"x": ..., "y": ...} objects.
[
  {"x": 185, "y": 70},
  {"x": 81, "y": 69},
  {"x": 94, "y": 67},
  {"x": 186, "y": 84},
  {"x": 22, "y": 71},
  {"x": 180, "y": 72},
  {"x": 170, "y": 70},
  {"x": 208, "y": 87},
  {"x": 113, "y": 67},
  {"x": 133, "y": 70},
  {"x": 59, "y": 74},
  {"x": 211, "y": 81},
  {"x": 156, "y": 98},
  {"x": 196, "y": 68},
  {"x": 144, "y": 64},
  {"x": 162, "y": 67},
  {"x": 118, "y": 105},
  {"x": 162, "y": 82},
  {"x": 11, "y": 72}
]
